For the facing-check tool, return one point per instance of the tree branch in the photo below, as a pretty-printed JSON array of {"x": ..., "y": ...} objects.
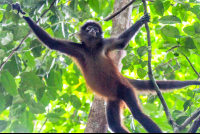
[
  {"x": 152, "y": 79},
  {"x": 12, "y": 53},
  {"x": 189, "y": 119},
  {"x": 195, "y": 125},
  {"x": 118, "y": 12}
]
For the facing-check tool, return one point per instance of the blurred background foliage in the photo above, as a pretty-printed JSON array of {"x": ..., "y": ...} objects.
[{"x": 43, "y": 90}]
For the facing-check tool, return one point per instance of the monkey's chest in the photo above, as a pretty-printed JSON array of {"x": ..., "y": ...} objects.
[{"x": 102, "y": 77}]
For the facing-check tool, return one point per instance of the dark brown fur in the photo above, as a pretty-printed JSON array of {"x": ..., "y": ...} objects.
[{"x": 100, "y": 72}]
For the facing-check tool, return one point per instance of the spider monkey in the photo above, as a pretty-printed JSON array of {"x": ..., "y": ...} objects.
[{"x": 101, "y": 74}]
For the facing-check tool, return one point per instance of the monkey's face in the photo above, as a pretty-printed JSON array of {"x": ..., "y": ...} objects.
[{"x": 92, "y": 31}]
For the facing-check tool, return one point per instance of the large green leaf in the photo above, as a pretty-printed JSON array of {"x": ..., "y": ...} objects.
[
  {"x": 189, "y": 30},
  {"x": 75, "y": 101},
  {"x": 189, "y": 43},
  {"x": 8, "y": 83},
  {"x": 159, "y": 8},
  {"x": 170, "y": 31},
  {"x": 55, "y": 80},
  {"x": 29, "y": 79},
  {"x": 170, "y": 19}
]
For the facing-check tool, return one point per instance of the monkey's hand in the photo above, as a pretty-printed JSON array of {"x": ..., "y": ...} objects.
[
  {"x": 145, "y": 18},
  {"x": 17, "y": 9}
]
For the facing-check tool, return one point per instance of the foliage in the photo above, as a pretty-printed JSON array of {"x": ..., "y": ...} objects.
[{"x": 43, "y": 87}]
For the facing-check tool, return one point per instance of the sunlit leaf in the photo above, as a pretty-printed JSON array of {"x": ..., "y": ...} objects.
[
  {"x": 170, "y": 19},
  {"x": 170, "y": 31}
]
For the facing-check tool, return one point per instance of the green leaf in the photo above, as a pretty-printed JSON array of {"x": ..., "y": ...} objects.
[
  {"x": 72, "y": 79},
  {"x": 184, "y": 51},
  {"x": 170, "y": 19},
  {"x": 58, "y": 13},
  {"x": 52, "y": 94},
  {"x": 27, "y": 120},
  {"x": 176, "y": 114},
  {"x": 197, "y": 27},
  {"x": 2, "y": 102},
  {"x": 18, "y": 128},
  {"x": 16, "y": 110},
  {"x": 3, "y": 125},
  {"x": 12, "y": 63},
  {"x": 141, "y": 73},
  {"x": 75, "y": 101},
  {"x": 136, "y": 61},
  {"x": 25, "y": 97},
  {"x": 8, "y": 83},
  {"x": 55, "y": 80},
  {"x": 95, "y": 5},
  {"x": 17, "y": 31},
  {"x": 8, "y": 39},
  {"x": 196, "y": 90},
  {"x": 189, "y": 30},
  {"x": 60, "y": 111},
  {"x": 2, "y": 54},
  {"x": 53, "y": 117},
  {"x": 181, "y": 119},
  {"x": 37, "y": 108},
  {"x": 170, "y": 31},
  {"x": 30, "y": 59},
  {"x": 36, "y": 48},
  {"x": 29, "y": 79},
  {"x": 50, "y": 31},
  {"x": 189, "y": 43},
  {"x": 159, "y": 8},
  {"x": 187, "y": 104},
  {"x": 195, "y": 10},
  {"x": 1, "y": 15},
  {"x": 142, "y": 50},
  {"x": 40, "y": 93},
  {"x": 166, "y": 5}
]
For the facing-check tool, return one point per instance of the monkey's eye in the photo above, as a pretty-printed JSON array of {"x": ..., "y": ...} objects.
[
  {"x": 89, "y": 28},
  {"x": 96, "y": 29}
]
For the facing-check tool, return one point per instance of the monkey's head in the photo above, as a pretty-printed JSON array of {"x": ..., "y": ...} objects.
[
  {"x": 92, "y": 28},
  {"x": 91, "y": 33}
]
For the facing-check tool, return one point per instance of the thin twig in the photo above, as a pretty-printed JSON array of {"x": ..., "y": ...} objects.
[
  {"x": 43, "y": 125},
  {"x": 173, "y": 48},
  {"x": 2, "y": 65},
  {"x": 151, "y": 77},
  {"x": 192, "y": 65},
  {"x": 115, "y": 14},
  {"x": 165, "y": 63}
]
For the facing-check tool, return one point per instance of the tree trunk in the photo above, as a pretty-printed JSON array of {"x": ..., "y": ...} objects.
[{"x": 97, "y": 122}]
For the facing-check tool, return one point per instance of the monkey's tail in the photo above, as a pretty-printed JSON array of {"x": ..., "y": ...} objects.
[{"x": 147, "y": 86}]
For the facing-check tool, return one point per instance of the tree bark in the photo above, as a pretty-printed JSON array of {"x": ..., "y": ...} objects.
[{"x": 97, "y": 122}]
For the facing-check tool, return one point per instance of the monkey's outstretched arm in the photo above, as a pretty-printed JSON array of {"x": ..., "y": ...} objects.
[
  {"x": 122, "y": 41},
  {"x": 146, "y": 85},
  {"x": 67, "y": 47}
]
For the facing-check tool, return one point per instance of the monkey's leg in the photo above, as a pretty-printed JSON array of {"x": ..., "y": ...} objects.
[
  {"x": 113, "y": 112},
  {"x": 130, "y": 98}
]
